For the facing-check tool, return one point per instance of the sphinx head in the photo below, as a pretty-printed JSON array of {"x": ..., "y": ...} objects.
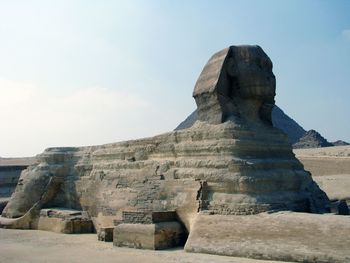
[{"x": 237, "y": 83}]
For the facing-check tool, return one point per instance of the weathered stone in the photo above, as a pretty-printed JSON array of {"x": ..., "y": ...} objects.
[
  {"x": 146, "y": 217},
  {"x": 149, "y": 236},
  {"x": 284, "y": 236},
  {"x": 245, "y": 164},
  {"x": 64, "y": 221},
  {"x": 236, "y": 84},
  {"x": 105, "y": 234},
  {"x": 232, "y": 161},
  {"x": 150, "y": 230}
]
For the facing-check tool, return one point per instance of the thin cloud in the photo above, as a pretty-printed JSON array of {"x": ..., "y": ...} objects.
[{"x": 33, "y": 118}]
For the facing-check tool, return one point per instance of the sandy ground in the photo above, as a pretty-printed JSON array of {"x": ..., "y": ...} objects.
[
  {"x": 337, "y": 187},
  {"x": 29, "y": 246},
  {"x": 330, "y": 168},
  {"x": 335, "y": 151},
  {"x": 17, "y": 161}
]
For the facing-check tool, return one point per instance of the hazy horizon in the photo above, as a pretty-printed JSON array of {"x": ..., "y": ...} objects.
[{"x": 75, "y": 73}]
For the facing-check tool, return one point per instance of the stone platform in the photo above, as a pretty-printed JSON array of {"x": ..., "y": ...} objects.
[{"x": 284, "y": 236}]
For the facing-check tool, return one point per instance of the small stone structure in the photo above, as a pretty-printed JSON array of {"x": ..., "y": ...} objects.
[
  {"x": 64, "y": 221},
  {"x": 149, "y": 230},
  {"x": 153, "y": 191}
]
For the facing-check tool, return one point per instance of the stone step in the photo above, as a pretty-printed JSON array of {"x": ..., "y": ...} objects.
[
  {"x": 149, "y": 230},
  {"x": 63, "y": 220},
  {"x": 149, "y": 236}
]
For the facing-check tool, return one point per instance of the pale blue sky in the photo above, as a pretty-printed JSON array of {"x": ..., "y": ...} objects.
[{"x": 91, "y": 72}]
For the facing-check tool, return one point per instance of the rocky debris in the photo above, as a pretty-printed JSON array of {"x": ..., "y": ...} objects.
[
  {"x": 232, "y": 161},
  {"x": 312, "y": 139}
]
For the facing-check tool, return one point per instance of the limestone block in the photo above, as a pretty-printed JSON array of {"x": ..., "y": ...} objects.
[
  {"x": 149, "y": 236},
  {"x": 146, "y": 217},
  {"x": 64, "y": 221}
]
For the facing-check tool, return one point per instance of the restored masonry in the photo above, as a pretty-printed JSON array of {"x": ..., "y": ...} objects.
[{"x": 153, "y": 192}]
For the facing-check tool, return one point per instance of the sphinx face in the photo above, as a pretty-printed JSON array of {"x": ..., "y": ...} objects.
[{"x": 251, "y": 73}]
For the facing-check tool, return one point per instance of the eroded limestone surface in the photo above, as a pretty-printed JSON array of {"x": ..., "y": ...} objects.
[
  {"x": 230, "y": 162},
  {"x": 284, "y": 236},
  {"x": 10, "y": 171}
]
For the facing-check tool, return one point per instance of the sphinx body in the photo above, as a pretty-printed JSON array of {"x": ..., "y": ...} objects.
[{"x": 230, "y": 162}]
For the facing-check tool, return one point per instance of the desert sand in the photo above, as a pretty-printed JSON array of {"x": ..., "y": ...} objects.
[
  {"x": 330, "y": 168},
  {"x": 34, "y": 246},
  {"x": 334, "y": 151},
  {"x": 23, "y": 161}
]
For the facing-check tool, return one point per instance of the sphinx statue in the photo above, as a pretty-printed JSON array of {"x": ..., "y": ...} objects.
[{"x": 232, "y": 161}]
